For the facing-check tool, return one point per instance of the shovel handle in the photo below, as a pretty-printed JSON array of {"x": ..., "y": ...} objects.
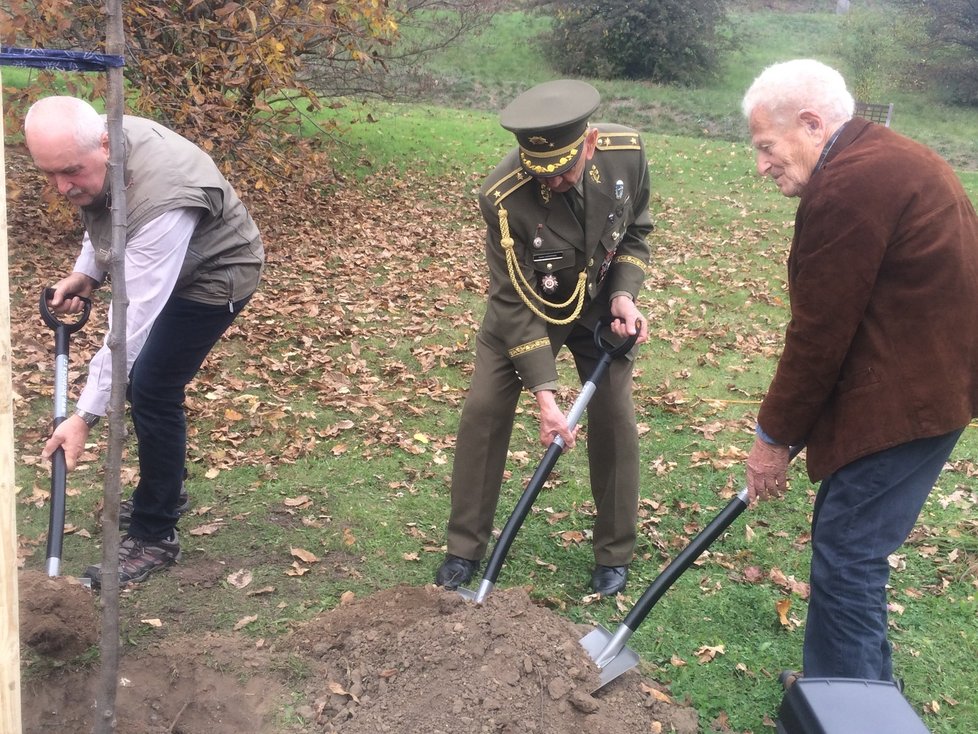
[
  {"x": 52, "y": 320},
  {"x": 614, "y": 350},
  {"x": 609, "y": 352}
]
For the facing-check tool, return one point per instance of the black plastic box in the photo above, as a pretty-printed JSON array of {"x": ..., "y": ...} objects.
[{"x": 846, "y": 706}]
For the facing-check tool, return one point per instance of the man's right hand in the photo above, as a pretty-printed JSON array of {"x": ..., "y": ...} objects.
[
  {"x": 70, "y": 435},
  {"x": 552, "y": 421}
]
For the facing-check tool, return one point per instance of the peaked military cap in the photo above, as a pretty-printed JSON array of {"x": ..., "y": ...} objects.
[{"x": 550, "y": 124}]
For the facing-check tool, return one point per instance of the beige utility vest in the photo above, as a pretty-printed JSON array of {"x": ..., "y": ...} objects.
[{"x": 165, "y": 171}]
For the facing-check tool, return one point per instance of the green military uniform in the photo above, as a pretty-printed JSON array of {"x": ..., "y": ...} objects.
[{"x": 552, "y": 276}]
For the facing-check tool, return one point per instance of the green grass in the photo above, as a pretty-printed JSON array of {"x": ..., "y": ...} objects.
[
  {"x": 415, "y": 138},
  {"x": 499, "y": 53},
  {"x": 372, "y": 452}
]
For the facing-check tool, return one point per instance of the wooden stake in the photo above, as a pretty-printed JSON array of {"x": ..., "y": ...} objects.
[
  {"x": 9, "y": 619},
  {"x": 109, "y": 648}
]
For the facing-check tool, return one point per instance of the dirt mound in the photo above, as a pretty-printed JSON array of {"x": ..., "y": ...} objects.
[
  {"x": 407, "y": 660},
  {"x": 412, "y": 660},
  {"x": 58, "y": 616}
]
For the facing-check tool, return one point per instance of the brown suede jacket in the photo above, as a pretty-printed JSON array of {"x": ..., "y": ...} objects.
[{"x": 882, "y": 345}]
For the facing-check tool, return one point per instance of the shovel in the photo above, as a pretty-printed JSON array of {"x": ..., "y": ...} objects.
[
  {"x": 608, "y": 651},
  {"x": 59, "y": 470},
  {"x": 609, "y": 352}
]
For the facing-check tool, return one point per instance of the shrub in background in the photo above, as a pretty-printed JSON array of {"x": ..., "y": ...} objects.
[
  {"x": 668, "y": 41},
  {"x": 884, "y": 50},
  {"x": 951, "y": 45}
]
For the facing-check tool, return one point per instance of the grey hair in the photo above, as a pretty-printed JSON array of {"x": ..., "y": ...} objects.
[
  {"x": 786, "y": 88},
  {"x": 75, "y": 114}
]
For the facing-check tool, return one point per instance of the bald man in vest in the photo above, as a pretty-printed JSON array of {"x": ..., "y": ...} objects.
[{"x": 193, "y": 259}]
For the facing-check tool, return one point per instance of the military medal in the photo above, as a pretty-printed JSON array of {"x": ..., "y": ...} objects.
[
  {"x": 549, "y": 283},
  {"x": 603, "y": 270},
  {"x": 619, "y": 189}
]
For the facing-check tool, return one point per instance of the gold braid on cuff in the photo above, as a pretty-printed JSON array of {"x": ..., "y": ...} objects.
[{"x": 523, "y": 287}]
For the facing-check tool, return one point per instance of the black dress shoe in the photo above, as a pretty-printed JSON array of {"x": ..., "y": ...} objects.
[
  {"x": 455, "y": 571},
  {"x": 609, "y": 580}
]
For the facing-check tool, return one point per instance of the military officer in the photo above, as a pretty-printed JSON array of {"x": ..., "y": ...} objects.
[{"x": 567, "y": 218}]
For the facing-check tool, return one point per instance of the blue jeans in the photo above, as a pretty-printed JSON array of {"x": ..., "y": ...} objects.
[
  {"x": 863, "y": 513},
  {"x": 181, "y": 338}
]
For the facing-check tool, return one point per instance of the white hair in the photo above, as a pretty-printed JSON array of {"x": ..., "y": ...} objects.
[
  {"x": 785, "y": 89},
  {"x": 73, "y": 114}
]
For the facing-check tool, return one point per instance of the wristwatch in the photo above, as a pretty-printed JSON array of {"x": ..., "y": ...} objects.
[{"x": 90, "y": 418}]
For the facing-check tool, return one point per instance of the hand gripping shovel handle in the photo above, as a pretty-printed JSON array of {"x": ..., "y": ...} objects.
[
  {"x": 673, "y": 571},
  {"x": 609, "y": 352},
  {"x": 59, "y": 470}
]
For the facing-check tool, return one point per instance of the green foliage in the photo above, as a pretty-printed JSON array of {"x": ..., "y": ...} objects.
[
  {"x": 425, "y": 29},
  {"x": 952, "y": 49},
  {"x": 676, "y": 41},
  {"x": 496, "y": 64},
  {"x": 882, "y": 50}
]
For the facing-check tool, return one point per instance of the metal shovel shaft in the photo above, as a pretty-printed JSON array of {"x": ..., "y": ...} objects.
[
  {"x": 56, "y": 518},
  {"x": 685, "y": 559},
  {"x": 533, "y": 488},
  {"x": 59, "y": 469},
  {"x": 608, "y": 651}
]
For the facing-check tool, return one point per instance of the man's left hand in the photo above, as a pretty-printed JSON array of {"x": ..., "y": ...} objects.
[
  {"x": 628, "y": 320},
  {"x": 767, "y": 470}
]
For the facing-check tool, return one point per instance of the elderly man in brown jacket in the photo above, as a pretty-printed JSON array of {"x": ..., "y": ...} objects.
[{"x": 879, "y": 373}]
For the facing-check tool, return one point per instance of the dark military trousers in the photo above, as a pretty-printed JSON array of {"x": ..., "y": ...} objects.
[{"x": 483, "y": 441}]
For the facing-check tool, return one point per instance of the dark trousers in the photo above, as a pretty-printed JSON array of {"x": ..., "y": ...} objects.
[
  {"x": 483, "y": 439},
  {"x": 181, "y": 337},
  {"x": 863, "y": 513}
]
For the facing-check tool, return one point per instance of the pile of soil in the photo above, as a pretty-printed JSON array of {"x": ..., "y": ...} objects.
[
  {"x": 57, "y": 616},
  {"x": 407, "y": 660}
]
